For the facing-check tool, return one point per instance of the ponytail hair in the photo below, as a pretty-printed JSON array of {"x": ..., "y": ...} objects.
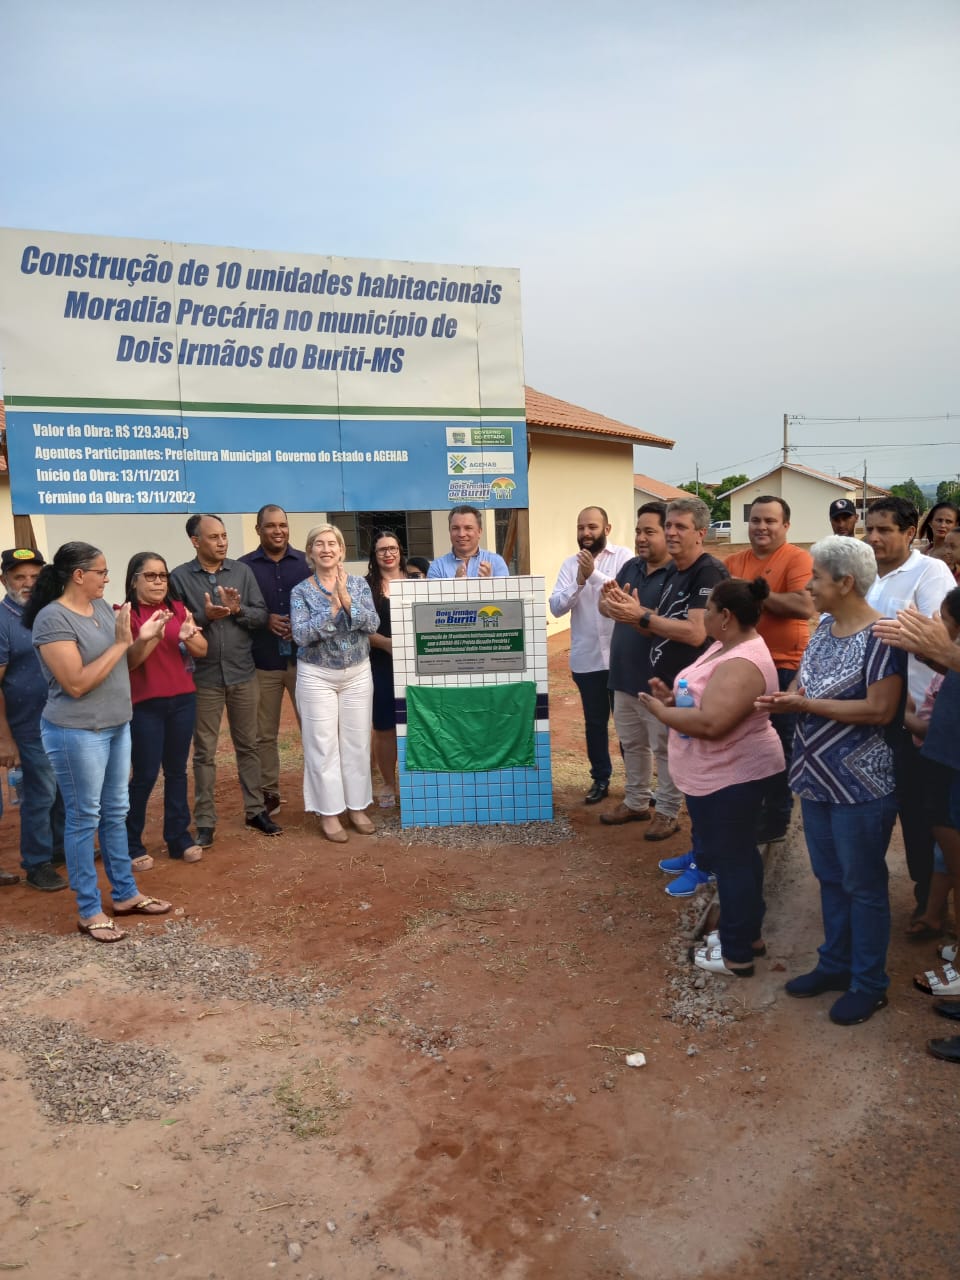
[
  {"x": 53, "y": 578},
  {"x": 743, "y": 599}
]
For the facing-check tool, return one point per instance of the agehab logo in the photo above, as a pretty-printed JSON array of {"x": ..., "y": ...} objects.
[
  {"x": 490, "y": 615},
  {"x": 501, "y": 489},
  {"x": 456, "y": 464}
]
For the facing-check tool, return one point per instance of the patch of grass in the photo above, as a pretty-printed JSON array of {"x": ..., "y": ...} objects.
[
  {"x": 312, "y": 1100},
  {"x": 423, "y": 920},
  {"x": 493, "y": 900}
]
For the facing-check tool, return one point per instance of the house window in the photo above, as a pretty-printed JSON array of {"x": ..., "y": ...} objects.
[
  {"x": 413, "y": 528},
  {"x": 746, "y": 512}
]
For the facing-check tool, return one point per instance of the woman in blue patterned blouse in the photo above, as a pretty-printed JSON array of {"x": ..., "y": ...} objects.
[
  {"x": 332, "y": 616},
  {"x": 849, "y": 687}
]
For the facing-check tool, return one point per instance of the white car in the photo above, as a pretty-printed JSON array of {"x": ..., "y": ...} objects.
[{"x": 720, "y": 531}]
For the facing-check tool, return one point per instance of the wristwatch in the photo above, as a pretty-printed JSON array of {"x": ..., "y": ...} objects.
[{"x": 645, "y": 620}]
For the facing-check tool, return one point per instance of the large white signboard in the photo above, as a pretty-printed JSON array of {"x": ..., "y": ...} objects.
[{"x": 169, "y": 377}]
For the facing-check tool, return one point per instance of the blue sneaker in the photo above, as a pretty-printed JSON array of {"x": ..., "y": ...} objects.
[
  {"x": 674, "y": 866},
  {"x": 686, "y": 886}
]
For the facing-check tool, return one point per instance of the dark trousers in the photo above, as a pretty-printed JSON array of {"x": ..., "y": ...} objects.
[
  {"x": 918, "y": 842},
  {"x": 597, "y": 701},
  {"x": 160, "y": 734},
  {"x": 778, "y": 798},
  {"x": 726, "y": 846}
]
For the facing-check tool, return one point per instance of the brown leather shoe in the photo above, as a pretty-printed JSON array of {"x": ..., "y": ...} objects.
[
  {"x": 9, "y": 877},
  {"x": 623, "y": 813},
  {"x": 661, "y": 828}
]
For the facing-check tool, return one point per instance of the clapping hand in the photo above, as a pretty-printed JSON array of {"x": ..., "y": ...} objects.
[
  {"x": 122, "y": 631},
  {"x": 188, "y": 628},
  {"x": 152, "y": 629}
]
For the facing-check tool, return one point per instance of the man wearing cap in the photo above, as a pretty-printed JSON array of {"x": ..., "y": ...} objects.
[
  {"x": 23, "y": 694},
  {"x": 843, "y": 517}
]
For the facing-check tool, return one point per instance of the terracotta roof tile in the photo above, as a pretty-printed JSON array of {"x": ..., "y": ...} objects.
[
  {"x": 560, "y": 415},
  {"x": 659, "y": 488}
]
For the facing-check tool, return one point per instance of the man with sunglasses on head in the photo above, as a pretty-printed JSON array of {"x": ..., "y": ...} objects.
[
  {"x": 23, "y": 695},
  {"x": 228, "y": 606}
]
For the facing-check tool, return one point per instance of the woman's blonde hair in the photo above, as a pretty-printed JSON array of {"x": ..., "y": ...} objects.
[{"x": 315, "y": 533}]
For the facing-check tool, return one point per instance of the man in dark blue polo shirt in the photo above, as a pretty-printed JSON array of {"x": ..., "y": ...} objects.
[
  {"x": 23, "y": 695},
  {"x": 277, "y": 568}
]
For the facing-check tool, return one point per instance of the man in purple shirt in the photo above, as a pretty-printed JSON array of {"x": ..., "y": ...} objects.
[{"x": 277, "y": 568}]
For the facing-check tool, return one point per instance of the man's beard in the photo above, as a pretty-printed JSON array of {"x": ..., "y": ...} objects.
[{"x": 593, "y": 545}]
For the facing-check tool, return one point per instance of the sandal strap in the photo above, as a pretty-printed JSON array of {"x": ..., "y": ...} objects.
[
  {"x": 104, "y": 924},
  {"x": 145, "y": 902}
]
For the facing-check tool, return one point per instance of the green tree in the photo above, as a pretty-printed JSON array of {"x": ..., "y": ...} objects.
[
  {"x": 721, "y": 506},
  {"x": 911, "y": 491},
  {"x": 948, "y": 491}
]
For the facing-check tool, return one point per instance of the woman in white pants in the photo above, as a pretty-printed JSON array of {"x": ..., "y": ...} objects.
[{"x": 332, "y": 616}]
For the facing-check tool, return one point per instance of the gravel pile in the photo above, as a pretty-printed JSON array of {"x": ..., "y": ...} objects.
[
  {"x": 697, "y": 999},
  {"x": 473, "y": 836},
  {"x": 79, "y": 1079},
  {"x": 168, "y": 961}
]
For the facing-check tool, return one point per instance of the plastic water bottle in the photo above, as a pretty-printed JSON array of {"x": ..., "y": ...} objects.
[
  {"x": 684, "y": 698},
  {"x": 15, "y": 786}
]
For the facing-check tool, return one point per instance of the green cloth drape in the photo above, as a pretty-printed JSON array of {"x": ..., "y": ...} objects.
[{"x": 471, "y": 730}]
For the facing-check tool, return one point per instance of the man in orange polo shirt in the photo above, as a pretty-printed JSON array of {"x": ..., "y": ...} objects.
[{"x": 784, "y": 625}]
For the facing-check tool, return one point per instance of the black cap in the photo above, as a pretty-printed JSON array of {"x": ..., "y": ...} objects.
[
  {"x": 19, "y": 555},
  {"x": 842, "y": 507}
]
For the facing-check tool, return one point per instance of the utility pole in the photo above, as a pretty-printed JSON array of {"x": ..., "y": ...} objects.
[
  {"x": 864, "y": 491},
  {"x": 697, "y": 480},
  {"x": 786, "y": 439}
]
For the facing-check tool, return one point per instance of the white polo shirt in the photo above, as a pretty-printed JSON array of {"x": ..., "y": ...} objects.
[
  {"x": 921, "y": 581},
  {"x": 590, "y": 631}
]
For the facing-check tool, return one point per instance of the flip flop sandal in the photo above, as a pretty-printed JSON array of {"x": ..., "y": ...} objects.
[
  {"x": 106, "y": 927},
  {"x": 920, "y": 931},
  {"x": 143, "y": 908},
  {"x": 936, "y": 984}
]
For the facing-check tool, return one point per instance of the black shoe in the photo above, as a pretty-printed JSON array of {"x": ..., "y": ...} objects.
[
  {"x": 264, "y": 824},
  {"x": 205, "y": 837},
  {"x": 771, "y": 835},
  {"x": 947, "y": 1050},
  {"x": 815, "y": 983},
  {"x": 597, "y": 793},
  {"x": 948, "y": 1009},
  {"x": 855, "y": 1007},
  {"x": 46, "y": 879},
  {"x": 271, "y": 801}
]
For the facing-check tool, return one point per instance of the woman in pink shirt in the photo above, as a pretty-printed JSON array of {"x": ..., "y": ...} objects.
[
  {"x": 721, "y": 751},
  {"x": 164, "y": 708}
]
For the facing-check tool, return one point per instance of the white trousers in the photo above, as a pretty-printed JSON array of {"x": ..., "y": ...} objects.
[
  {"x": 335, "y": 714},
  {"x": 642, "y": 737}
]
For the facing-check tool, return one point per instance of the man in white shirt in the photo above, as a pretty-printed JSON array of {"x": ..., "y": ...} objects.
[
  {"x": 905, "y": 579},
  {"x": 577, "y": 592}
]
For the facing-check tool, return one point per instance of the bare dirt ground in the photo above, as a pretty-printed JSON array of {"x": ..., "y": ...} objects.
[{"x": 405, "y": 1057}]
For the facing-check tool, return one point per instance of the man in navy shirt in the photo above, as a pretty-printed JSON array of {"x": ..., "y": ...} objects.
[
  {"x": 23, "y": 695},
  {"x": 277, "y": 568}
]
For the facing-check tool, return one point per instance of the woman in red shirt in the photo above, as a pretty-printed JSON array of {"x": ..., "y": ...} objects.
[{"x": 164, "y": 708}]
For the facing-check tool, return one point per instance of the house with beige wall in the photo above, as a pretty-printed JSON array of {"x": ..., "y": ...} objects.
[
  {"x": 576, "y": 458},
  {"x": 807, "y": 492}
]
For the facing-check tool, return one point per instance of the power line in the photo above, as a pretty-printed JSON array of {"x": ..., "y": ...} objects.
[{"x": 923, "y": 417}]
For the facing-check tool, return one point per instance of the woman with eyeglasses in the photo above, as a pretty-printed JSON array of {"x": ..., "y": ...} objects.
[
  {"x": 164, "y": 707},
  {"x": 387, "y": 564},
  {"x": 85, "y": 726}
]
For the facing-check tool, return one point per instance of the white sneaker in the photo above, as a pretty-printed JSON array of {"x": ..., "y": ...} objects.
[{"x": 711, "y": 959}]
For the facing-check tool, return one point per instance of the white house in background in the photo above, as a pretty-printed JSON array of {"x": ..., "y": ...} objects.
[
  {"x": 646, "y": 489},
  {"x": 808, "y": 493},
  {"x": 873, "y": 493}
]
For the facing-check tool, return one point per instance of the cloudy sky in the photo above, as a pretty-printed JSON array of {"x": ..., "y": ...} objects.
[{"x": 722, "y": 211}]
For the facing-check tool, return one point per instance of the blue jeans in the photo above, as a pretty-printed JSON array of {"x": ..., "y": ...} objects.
[
  {"x": 597, "y": 702},
  {"x": 160, "y": 734},
  {"x": 41, "y": 808},
  {"x": 93, "y": 769},
  {"x": 725, "y": 846},
  {"x": 848, "y": 850}
]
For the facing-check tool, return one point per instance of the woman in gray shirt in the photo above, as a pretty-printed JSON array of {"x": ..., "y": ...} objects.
[{"x": 85, "y": 727}]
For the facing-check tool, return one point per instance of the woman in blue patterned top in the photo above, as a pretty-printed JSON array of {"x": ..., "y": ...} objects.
[
  {"x": 332, "y": 616},
  {"x": 849, "y": 686}
]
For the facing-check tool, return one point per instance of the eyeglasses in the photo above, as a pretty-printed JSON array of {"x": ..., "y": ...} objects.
[
  {"x": 155, "y": 577},
  {"x": 102, "y": 572}
]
